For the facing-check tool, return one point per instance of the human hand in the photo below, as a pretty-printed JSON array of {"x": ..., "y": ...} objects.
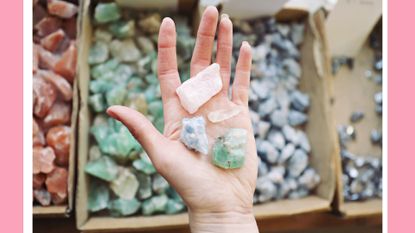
[{"x": 218, "y": 200}]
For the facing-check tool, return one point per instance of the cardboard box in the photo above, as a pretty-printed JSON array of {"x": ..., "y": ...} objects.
[
  {"x": 320, "y": 130},
  {"x": 352, "y": 91},
  {"x": 65, "y": 210}
]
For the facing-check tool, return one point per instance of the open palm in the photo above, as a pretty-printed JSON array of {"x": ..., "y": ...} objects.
[{"x": 203, "y": 186}]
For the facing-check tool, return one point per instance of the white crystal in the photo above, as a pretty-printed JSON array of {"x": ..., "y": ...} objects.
[
  {"x": 223, "y": 114},
  {"x": 193, "y": 134},
  {"x": 197, "y": 90}
]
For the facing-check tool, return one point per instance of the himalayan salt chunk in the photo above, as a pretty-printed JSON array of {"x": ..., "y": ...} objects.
[
  {"x": 44, "y": 95},
  {"x": 35, "y": 60},
  {"x": 38, "y": 13},
  {"x": 62, "y": 9},
  {"x": 66, "y": 66},
  {"x": 197, "y": 90},
  {"x": 223, "y": 114},
  {"x": 43, "y": 160},
  {"x": 37, "y": 135},
  {"x": 59, "y": 114},
  {"x": 42, "y": 196},
  {"x": 59, "y": 138},
  {"x": 60, "y": 83},
  {"x": 47, "y": 60},
  {"x": 59, "y": 198},
  {"x": 38, "y": 180},
  {"x": 57, "y": 181},
  {"x": 70, "y": 27},
  {"x": 48, "y": 25},
  {"x": 52, "y": 41}
]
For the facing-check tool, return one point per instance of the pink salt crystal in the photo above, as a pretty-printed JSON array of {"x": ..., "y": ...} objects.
[
  {"x": 37, "y": 135},
  {"x": 35, "y": 58},
  {"x": 62, "y": 9},
  {"x": 66, "y": 66},
  {"x": 59, "y": 139},
  {"x": 52, "y": 41},
  {"x": 60, "y": 83},
  {"x": 59, "y": 198},
  {"x": 42, "y": 196},
  {"x": 70, "y": 27},
  {"x": 57, "y": 181},
  {"x": 59, "y": 114},
  {"x": 44, "y": 95},
  {"x": 47, "y": 60},
  {"x": 48, "y": 25},
  {"x": 38, "y": 180},
  {"x": 43, "y": 159},
  {"x": 38, "y": 13}
]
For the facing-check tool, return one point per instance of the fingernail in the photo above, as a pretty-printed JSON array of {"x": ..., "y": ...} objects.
[
  {"x": 112, "y": 114},
  {"x": 224, "y": 16}
]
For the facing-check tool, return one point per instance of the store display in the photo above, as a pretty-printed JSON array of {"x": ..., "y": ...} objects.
[
  {"x": 54, "y": 68},
  {"x": 278, "y": 108},
  {"x": 123, "y": 70}
]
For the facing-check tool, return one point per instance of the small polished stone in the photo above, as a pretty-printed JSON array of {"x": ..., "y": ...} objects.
[
  {"x": 229, "y": 149},
  {"x": 193, "y": 134}
]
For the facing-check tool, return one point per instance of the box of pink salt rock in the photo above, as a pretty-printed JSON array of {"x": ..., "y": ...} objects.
[{"x": 55, "y": 105}]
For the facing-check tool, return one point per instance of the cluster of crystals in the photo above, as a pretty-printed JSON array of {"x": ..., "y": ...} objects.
[
  {"x": 123, "y": 71},
  {"x": 278, "y": 109},
  {"x": 54, "y": 66},
  {"x": 362, "y": 176}
]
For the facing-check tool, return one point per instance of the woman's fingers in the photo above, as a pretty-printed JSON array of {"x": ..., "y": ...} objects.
[
  {"x": 142, "y": 129},
  {"x": 224, "y": 50},
  {"x": 240, "y": 88},
  {"x": 168, "y": 74},
  {"x": 202, "y": 53}
]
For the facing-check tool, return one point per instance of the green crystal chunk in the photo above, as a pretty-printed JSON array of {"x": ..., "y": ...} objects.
[
  {"x": 104, "y": 168},
  {"x": 102, "y": 35},
  {"x": 98, "y": 53},
  {"x": 122, "y": 29},
  {"x": 174, "y": 207},
  {"x": 145, "y": 44},
  {"x": 101, "y": 71},
  {"x": 123, "y": 207},
  {"x": 229, "y": 150},
  {"x": 144, "y": 165},
  {"x": 107, "y": 12},
  {"x": 94, "y": 153},
  {"x": 160, "y": 185},
  {"x": 99, "y": 86},
  {"x": 98, "y": 196},
  {"x": 97, "y": 102},
  {"x": 125, "y": 185},
  {"x": 151, "y": 23},
  {"x": 156, "y": 204},
  {"x": 116, "y": 95},
  {"x": 124, "y": 50},
  {"x": 144, "y": 191}
]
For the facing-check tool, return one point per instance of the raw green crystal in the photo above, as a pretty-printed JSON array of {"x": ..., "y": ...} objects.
[
  {"x": 122, "y": 29},
  {"x": 98, "y": 196},
  {"x": 123, "y": 207},
  {"x": 151, "y": 23},
  {"x": 144, "y": 191},
  {"x": 125, "y": 185},
  {"x": 104, "y": 168},
  {"x": 97, "y": 102},
  {"x": 137, "y": 102},
  {"x": 119, "y": 144},
  {"x": 101, "y": 71},
  {"x": 94, "y": 153},
  {"x": 124, "y": 50},
  {"x": 174, "y": 207},
  {"x": 116, "y": 95},
  {"x": 144, "y": 165},
  {"x": 174, "y": 195},
  {"x": 123, "y": 73},
  {"x": 145, "y": 44},
  {"x": 151, "y": 78},
  {"x": 107, "y": 12},
  {"x": 229, "y": 150},
  {"x": 156, "y": 204},
  {"x": 102, "y": 35},
  {"x": 155, "y": 108},
  {"x": 98, "y": 53},
  {"x": 99, "y": 86},
  {"x": 160, "y": 185}
]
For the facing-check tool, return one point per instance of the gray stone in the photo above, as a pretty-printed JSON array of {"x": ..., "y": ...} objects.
[
  {"x": 286, "y": 153},
  {"x": 303, "y": 141},
  {"x": 276, "y": 174},
  {"x": 262, "y": 129},
  {"x": 276, "y": 138},
  {"x": 296, "y": 118},
  {"x": 279, "y": 118},
  {"x": 267, "y": 107},
  {"x": 268, "y": 151},
  {"x": 297, "y": 163},
  {"x": 262, "y": 167},
  {"x": 290, "y": 134},
  {"x": 356, "y": 116},
  {"x": 300, "y": 101},
  {"x": 292, "y": 67}
]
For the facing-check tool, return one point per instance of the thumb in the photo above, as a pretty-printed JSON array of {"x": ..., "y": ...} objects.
[{"x": 141, "y": 128}]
